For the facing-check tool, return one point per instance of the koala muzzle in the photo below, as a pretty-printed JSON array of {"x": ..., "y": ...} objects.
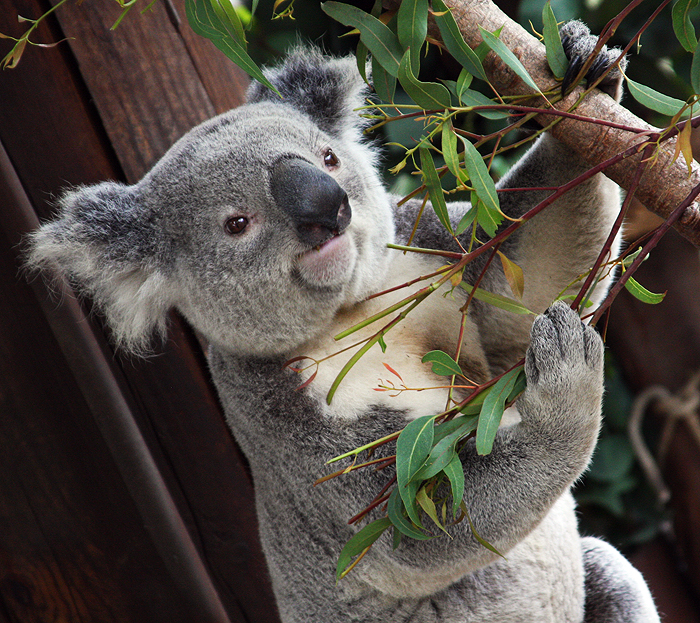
[{"x": 317, "y": 205}]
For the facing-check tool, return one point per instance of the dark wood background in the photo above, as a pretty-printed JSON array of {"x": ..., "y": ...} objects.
[{"x": 122, "y": 494}]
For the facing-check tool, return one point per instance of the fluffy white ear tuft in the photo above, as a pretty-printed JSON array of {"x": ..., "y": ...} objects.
[{"x": 105, "y": 244}]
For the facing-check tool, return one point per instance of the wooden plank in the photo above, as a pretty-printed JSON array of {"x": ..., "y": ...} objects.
[
  {"x": 73, "y": 546},
  {"x": 141, "y": 80},
  {"x": 224, "y": 82},
  {"x": 178, "y": 411}
]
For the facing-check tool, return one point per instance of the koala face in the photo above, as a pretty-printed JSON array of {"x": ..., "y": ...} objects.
[
  {"x": 258, "y": 225},
  {"x": 275, "y": 219}
]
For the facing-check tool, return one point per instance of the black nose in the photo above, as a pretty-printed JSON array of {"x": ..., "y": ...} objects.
[{"x": 317, "y": 205}]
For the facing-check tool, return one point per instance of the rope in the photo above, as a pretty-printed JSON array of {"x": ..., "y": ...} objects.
[{"x": 675, "y": 408}]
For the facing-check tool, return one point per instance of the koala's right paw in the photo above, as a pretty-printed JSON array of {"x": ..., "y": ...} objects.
[
  {"x": 564, "y": 363},
  {"x": 579, "y": 43}
]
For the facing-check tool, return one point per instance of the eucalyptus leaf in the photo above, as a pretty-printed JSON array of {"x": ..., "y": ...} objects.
[
  {"x": 490, "y": 216},
  {"x": 492, "y": 411},
  {"x": 695, "y": 71},
  {"x": 384, "y": 83},
  {"x": 639, "y": 292},
  {"x": 654, "y": 100},
  {"x": 432, "y": 183},
  {"x": 498, "y": 300},
  {"x": 683, "y": 26},
  {"x": 443, "y": 364},
  {"x": 359, "y": 542},
  {"x": 454, "y": 41},
  {"x": 449, "y": 149},
  {"x": 412, "y": 27},
  {"x": 463, "y": 82},
  {"x": 204, "y": 21},
  {"x": 429, "y": 507},
  {"x": 444, "y": 450},
  {"x": 454, "y": 471},
  {"x": 395, "y": 512},
  {"x": 378, "y": 38},
  {"x": 467, "y": 220},
  {"x": 556, "y": 57},
  {"x": 502, "y": 51},
  {"x": 474, "y": 98},
  {"x": 412, "y": 449},
  {"x": 428, "y": 95}
]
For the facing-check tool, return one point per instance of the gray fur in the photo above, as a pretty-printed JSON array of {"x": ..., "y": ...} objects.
[{"x": 265, "y": 294}]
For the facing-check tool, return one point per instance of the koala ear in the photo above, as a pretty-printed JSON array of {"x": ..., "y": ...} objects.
[
  {"x": 107, "y": 246},
  {"x": 326, "y": 89}
]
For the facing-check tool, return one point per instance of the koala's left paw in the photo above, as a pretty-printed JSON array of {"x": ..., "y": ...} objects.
[
  {"x": 563, "y": 352},
  {"x": 578, "y": 44}
]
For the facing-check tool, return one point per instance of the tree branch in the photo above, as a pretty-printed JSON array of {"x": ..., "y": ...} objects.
[{"x": 665, "y": 183}]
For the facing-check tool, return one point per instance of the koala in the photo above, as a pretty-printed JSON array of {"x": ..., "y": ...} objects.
[{"x": 267, "y": 229}]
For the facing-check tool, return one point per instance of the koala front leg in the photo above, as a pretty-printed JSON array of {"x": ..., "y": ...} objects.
[{"x": 532, "y": 464}]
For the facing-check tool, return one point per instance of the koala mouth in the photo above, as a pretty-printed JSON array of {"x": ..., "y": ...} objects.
[
  {"x": 331, "y": 257},
  {"x": 320, "y": 234}
]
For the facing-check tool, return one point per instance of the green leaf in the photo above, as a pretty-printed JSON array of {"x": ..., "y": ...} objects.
[
  {"x": 463, "y": 82},
  {"x": 412, "y": 448},
  {"x": 360, "y": 542},
  {"x": 429, "y": 507},
  {"x": 454, "y": 42},
  {"x": 444, "y": 450},
  {"x": 498, "y": 300},
  {"x": 383, "y": 43},
  {"x": 204, "y": 21},
  {"x": 228, "y": 17},
  {"x": 638, "y": 291},
  {"x": 443, "y": 364},
  {"x": 695, "y": 71},
  {"x": 447, "y": 428},
  {"x": 397, "y": 538},
  {"x": 514, "y": 276},
  {"x": 474, "y": 98},
  {"x": 455, "y": 473},
  {"x": 361, "y": 59},
  {"x": 653, "y": 99},
  {"x": 481, "y": 540},
  {"x": 432, "y": 183},
  {"x": 500, "y": 49},
  {"x": 682, "y": 26},
  {"x": 449, "y": 149},
  {"x": 556, "y": 57},
  {"x": 467, "y": 220},
  {"x": 489, "y": 216},
  {"x": 412, "y": 27},
  {"x": 384, "y": 83},
  {"x": 428, "y": 95},
  {"x": 395, "y": 511},
  {"x": 492, "y": 411}
]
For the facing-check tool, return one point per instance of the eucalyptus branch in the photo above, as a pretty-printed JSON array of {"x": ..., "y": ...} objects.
[{"x": 660, "y": 189}]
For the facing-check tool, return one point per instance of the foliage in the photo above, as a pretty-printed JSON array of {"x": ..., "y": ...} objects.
[{"x": 464, "y": 140}]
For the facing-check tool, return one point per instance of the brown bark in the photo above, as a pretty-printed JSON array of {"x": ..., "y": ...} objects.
[{"x": 663, "y": 186}]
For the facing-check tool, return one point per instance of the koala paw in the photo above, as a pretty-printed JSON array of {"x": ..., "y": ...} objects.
[
  {"x": 578, "y": 45},
  {"x": 565, "y": 357}
]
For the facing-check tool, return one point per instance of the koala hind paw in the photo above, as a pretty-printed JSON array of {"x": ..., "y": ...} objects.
[{"x": 579, "y": 43}]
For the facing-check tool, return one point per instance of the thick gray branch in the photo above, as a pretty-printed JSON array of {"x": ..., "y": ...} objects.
[{"x": 663, "y": 186}]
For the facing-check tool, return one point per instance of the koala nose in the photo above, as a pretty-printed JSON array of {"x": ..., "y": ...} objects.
[{"x": 318, "y": 206}]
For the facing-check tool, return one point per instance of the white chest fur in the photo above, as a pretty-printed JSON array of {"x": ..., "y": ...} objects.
[{"x": 433, "y": 324}]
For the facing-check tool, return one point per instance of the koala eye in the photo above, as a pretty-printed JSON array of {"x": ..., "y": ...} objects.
[
  {"x": 330, "y": 159},
  {"x": 235, "y": 225}
]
